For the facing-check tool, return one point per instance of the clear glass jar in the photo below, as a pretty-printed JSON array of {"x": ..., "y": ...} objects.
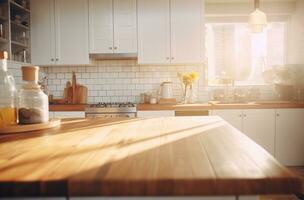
[
  {"x": 33, "y": 104},
  {"x": 8, "y": 114}
]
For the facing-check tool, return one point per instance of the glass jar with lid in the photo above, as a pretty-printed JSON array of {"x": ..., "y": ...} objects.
[
  {"x": 8, "y": 114},
  {"x": 33, "y": 105}
]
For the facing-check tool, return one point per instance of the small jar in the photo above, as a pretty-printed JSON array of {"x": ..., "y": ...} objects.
[{"x": 33, "y": 105}]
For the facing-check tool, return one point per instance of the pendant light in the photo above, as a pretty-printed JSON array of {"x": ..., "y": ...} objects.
[{"x": 257, "y": 19}]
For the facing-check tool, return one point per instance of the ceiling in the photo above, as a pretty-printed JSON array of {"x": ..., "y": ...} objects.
[{"x": 245, "y": 1}]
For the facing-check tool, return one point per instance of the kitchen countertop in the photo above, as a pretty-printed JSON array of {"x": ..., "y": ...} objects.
[
  {"x": 172, "y": 156},
  {"x": 209, "y": 106},
  {"x": 189, "y": 107},
  {"x": 67, "y": 107}
]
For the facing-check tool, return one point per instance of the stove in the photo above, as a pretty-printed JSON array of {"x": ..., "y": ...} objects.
[{"x": 111, "y": 109}]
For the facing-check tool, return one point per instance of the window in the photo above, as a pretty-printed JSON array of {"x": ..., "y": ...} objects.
[{"x": 234, "y": 52}]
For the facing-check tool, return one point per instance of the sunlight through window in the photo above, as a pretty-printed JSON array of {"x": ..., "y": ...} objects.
[{"x": 235, "y": 52}]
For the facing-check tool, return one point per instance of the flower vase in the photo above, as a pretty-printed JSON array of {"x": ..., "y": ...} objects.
[{"x": 188, "y": 96}]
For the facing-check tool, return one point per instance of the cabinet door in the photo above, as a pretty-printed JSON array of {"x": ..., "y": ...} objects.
[
  {"x": 72, "y": 41},
  {"x": 125, "y": 26},
  {"x": 233, "y": 117},
  {"x": 153, "y": 32},
  {"x": 42, "y": 32},
  {"x": 70, "y": 114},
  {"x": 101, "y": 26},
  {"x": 187, "y": 31},
  {"x": 290, "y": 136},
  {"x": 259, "y": 125}
]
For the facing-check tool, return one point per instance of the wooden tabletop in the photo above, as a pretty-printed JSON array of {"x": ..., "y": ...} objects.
[{"x": 140, "y": 157}]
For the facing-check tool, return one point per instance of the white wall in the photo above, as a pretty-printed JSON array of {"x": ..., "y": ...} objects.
[{"x": 295, "y": 54}]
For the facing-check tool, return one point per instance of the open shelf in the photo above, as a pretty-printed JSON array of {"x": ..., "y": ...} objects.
[
  {"x": 16, "y": 34},
  {"x": 20, "y": 26},
  {"x": 16, "y": 6},
  {"x": 3, "y": 18},
  {"x": 18, "y": 29},
  {"x": 3, "y": 40},
  {"x": 18, "y": 44}
]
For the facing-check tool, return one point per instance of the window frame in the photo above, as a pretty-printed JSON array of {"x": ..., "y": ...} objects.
[{"x": 230, "y": 19}]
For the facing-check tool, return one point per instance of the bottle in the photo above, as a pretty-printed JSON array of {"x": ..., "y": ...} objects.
[
  {"x": 8, "y": 114},
  {"x": 33, "y": 104}
]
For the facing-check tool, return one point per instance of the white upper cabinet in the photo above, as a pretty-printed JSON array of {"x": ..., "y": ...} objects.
[
  {"x": 101, "y": 26},
  {"x": 290, "y": 137},
  {"x": 187, "y": 28},
  {"x": 42, "y": 32},
  {"x": 153, "y": 31},
  {"x": 71, "y": 21},
  {"x": 259, "y": 125},
  {"x": 59, "y": 32},
  {"x": 170, "y": 31},
  {"x": 113, "y": 26},
  {"x": 125, "y": 26}
]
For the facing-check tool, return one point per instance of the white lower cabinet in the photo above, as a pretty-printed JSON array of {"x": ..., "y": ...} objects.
[
  {"x": 259, "y": 125},
  {"x": 67, "y": 114},
  {"x": 156, "y": 113},
  {"x": 233, "y": 117},
  {"x": 280, "y": 131},
  {"x": 290, "y": 136}
]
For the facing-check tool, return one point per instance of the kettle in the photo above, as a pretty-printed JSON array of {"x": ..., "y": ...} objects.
[{"x": 165, "y": 91}]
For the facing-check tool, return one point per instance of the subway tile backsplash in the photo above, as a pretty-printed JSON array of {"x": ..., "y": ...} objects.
[
  {"x": 124, "y": 80},
  {"x": 120, "y": 80}
]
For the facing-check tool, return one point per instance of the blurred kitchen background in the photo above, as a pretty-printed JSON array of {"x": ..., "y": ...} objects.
[{"x": 238, "y": 66}]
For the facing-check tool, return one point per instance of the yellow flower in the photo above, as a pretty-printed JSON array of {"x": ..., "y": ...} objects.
[
  {"x": 188, "y": 78},
  {"x": 194, "y": 76}
]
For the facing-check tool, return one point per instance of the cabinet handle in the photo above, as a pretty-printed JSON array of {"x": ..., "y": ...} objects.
[
  {"x": 57, "y": 59},
  {"x": 278, "y": 115},
  {"x": 244, "y": 115},
  {"x": 167, "y": 58},
  {"x": 52, "y": 59},
  {"x": 172, "y": 58},
  {"x": 240, "y": 115},
  {"x": 110, "y": 48},
  {"x": 115, "y": 48}
]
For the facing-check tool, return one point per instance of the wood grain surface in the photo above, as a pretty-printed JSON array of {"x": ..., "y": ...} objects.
[{"x": 172, "y": 156}]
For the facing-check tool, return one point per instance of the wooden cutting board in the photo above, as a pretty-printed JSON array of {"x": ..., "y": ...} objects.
[
  {"x": 74, "y": 84},
  {"x": 82, "y": 93},
  {"x": 75, "y": 93},
  {"x": 65, "y": 93}
]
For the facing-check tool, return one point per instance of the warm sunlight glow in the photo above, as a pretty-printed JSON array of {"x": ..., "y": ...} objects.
[{"x": 233, "y": 50}]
